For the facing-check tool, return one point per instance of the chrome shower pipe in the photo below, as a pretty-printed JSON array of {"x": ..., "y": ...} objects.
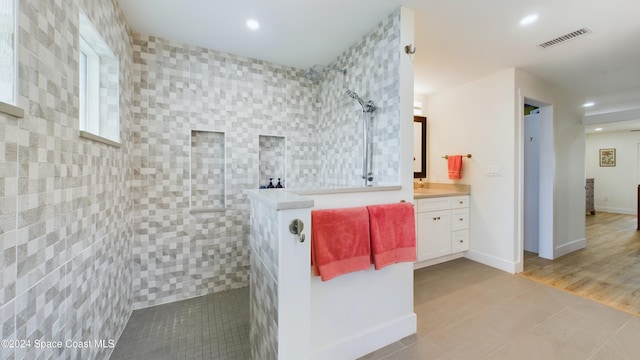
[
  {"x": 343, "y": 71},
  {"x": 314, "y": 73},
  {"x": 367, "y": 137}
]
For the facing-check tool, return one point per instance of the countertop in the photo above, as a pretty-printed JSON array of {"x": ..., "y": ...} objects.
[
  {"x": 280, "y": 199},
  {"x": 432, "y": 190}
]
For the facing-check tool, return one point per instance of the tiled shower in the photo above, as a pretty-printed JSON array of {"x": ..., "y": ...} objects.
[
  {"x": 90, "y": 232},
  {"x": 274, "y": 124}
]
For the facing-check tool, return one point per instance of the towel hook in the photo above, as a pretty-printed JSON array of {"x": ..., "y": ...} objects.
[
  {"x": 410, "y": 49},
  {"x": 295, "y": 227}
]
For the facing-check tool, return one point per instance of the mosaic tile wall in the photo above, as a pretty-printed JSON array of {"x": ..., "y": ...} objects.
[
  {"x": 178, "y": 88},
  {"x": 271, "y": 160},
  {"x": 65, "y": 202},
  {"x": 373, "y": 72},
  {"x": 263, "y": 297},
  {"x": 207, "y": 170}
]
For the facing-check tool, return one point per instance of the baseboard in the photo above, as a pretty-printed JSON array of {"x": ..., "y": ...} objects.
[
  {"x": 569, "y": 248},
  {"x": 439, "y": 260},
  {"x": 369, "y": 341},
  {"x": 616, "y": 210},
  {"x": 492, "y": 261}
]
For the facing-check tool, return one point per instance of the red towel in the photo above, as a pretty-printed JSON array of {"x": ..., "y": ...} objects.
[
  {"x": 340, "y": 241},
  {"x": 393, "y": 234},
  {"x": 455, "y": 167}
]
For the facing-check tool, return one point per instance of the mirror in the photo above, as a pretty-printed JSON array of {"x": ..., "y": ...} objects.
[{"x": 419, "y": 147}]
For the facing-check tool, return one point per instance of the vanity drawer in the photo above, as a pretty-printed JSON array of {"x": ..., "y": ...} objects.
[
  {"x": 458, "y": 202},
  {"x": 459, "y": 241},
  {"x": 433, "y": 204},
  {"x": 459, "y": 219}
]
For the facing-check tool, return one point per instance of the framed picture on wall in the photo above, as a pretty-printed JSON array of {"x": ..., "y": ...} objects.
[{"x": 607, "y": 157}]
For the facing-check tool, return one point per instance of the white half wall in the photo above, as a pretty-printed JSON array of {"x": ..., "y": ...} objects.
[{"x": 615, "y": 187}]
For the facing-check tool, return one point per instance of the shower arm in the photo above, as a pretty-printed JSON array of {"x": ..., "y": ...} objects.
[{"x": 343, "y": 71}]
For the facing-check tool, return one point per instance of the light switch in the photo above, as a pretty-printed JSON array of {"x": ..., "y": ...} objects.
[{"x": 493, "y": 171}]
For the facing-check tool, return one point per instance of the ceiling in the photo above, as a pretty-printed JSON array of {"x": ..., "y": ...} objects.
[{"x": 457, "y": 41}]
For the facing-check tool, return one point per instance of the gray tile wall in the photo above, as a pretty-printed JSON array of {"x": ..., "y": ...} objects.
[
  {"x": 373, "y": 72},
  {"x": 179, "y": 255},
  {"x": 263, "y": 297},
  {"x": 65, "y": 202},
  {"x": 179, "y": 88},
  {"x": 81, "y": 221}
]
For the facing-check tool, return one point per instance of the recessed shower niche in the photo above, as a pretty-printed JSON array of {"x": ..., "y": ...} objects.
[
  {"x": 207, "y": 171},
  {"x": 271, "y": 160}
]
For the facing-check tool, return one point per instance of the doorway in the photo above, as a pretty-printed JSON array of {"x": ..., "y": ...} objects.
[{"x": 538, "y": 175}]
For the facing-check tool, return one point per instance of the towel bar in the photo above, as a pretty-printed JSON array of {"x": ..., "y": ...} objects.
[{"x": 447, "y": 156}]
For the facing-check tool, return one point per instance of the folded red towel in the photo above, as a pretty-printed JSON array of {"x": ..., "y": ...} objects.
[
  {"x": 340, "y": 241},
  {"x": 393, "y": 234},
  {"x": 455, "y": 167}
]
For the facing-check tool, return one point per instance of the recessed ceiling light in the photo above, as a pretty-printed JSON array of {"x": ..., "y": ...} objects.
[
  {"x": 253, "y": 24},
  {"x": 597, "y": 129},
  {"x": 529, "y": 19},
  {"x": 588, "y": 104}
]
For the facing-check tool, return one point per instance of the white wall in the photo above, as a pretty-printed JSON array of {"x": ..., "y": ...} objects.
[
  {"x": 478, "y": 118},
  {"x": 485, "y": 118},
  {"x": 615, "y": 187},
  {"x": 569, "y": 145}
]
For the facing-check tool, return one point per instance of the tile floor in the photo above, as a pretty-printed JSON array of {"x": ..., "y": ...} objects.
[
  {"x": 465, "y": 311},
  {"x": 208, "y": 327},
  {"x": 470, "y": 311}
]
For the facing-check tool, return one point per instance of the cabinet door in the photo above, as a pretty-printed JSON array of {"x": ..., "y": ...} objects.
[
  {"x": 459, "y": 241},
  {"x": 434, "y": 234}
]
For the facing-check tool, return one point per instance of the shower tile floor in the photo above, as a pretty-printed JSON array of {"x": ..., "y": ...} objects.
[{"x": 212, "y": 327}]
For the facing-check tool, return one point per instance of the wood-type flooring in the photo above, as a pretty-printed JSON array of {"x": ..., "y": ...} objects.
[{"x": 606, "y": 271}]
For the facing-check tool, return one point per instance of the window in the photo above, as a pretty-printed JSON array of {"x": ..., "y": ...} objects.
[
  {"x": 99, "y": 115},
  {"x": 7, "y": 52}
]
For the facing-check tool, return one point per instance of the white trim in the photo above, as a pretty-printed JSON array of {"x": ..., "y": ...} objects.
[
  {"x": 422, "y": 264},
  {"x": 368, "y": 341},
  {"x": 98, "y": 138},
  {"x": 616, "y": 210},
  {"x": 490, "y": 260},
  {"x": 13, "y": 97},
  {"x": 11, "y": 110},
  {"x": 91, "y": 74},
  {"x": 570, "y": 247}
]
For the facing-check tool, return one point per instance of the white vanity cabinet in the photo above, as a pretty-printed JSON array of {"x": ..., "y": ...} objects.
[{"x": 442, "y": 229}]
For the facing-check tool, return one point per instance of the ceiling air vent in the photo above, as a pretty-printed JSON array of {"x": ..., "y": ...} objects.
[{"x": 563, "y": 38}]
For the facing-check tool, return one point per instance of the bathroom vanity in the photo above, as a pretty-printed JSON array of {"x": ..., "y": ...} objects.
[{"x": 442, "y": 223}]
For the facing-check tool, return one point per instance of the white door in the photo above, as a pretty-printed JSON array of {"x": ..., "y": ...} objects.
[{"x": 531, "y": 182}]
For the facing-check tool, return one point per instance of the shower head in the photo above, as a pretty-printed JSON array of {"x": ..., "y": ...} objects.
[
  {"x": 367, "y": 107},
  {"x": 313, "y": 74},
  {"x": 316, "y": 72},
  {"x": 353, "y": 95}
]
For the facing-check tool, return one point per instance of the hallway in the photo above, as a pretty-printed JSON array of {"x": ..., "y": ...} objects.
[{"x": 607, "y": 271}]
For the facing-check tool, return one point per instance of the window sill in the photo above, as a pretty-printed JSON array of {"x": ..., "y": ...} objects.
[
  {"x": 100, "y": 139},
  {"x": 11, "y": 110}
]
